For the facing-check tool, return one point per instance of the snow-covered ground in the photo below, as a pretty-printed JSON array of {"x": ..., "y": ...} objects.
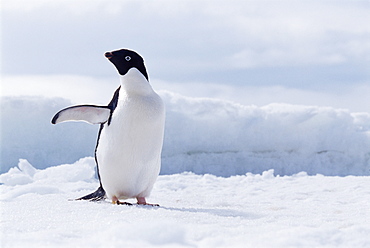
[
  {"x": 232, "y": 176},
  {"x": 252, "y": 210}
]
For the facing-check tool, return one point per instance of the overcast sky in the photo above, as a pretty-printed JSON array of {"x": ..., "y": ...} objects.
[{"x": 310, "y": 51}]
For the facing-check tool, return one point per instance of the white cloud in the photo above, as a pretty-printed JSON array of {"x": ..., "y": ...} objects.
[
  {"x": 202, "y": 35},
  {"x": 76, "y": 7},
  {"x": 79, "y": 89},
  {"x": 301, "y": 33}
]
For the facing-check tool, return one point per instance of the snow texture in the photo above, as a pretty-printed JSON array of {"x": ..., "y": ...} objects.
[
  {"x": 224, "y": 138},
  {"x": 204, "y": 136},
  {"x": 251, "y": 210},
  {"x": 232, "y": 176}
]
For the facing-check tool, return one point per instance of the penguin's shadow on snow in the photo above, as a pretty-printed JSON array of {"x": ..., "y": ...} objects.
[
  {"x": 217, "y": 212},
  {"x": 212, "y": 211}
]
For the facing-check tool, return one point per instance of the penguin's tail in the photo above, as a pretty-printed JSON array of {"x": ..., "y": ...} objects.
[{"x": 98, "y": 195}]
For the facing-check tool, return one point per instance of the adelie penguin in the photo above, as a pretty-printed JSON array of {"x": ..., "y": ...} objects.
[{"x": 129, "y": 144}]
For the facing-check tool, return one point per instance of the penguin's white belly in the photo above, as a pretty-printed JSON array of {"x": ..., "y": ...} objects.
[{"x": 129, "y": 149}]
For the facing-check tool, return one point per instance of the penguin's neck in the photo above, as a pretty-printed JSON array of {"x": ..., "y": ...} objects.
[{"x": 135, "y": 83}]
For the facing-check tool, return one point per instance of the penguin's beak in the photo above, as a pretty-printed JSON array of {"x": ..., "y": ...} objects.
[{"x": 108, "y": 55}]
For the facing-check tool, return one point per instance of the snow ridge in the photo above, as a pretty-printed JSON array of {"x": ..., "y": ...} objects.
[
  {"x": 225, "y": 138},
  {"x": 205, "y": 136}
]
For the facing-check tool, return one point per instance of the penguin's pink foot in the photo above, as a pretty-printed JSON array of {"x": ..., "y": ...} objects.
[{"x": 142, "y": 201}]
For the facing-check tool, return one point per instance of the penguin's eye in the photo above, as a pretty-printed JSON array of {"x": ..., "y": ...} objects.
[{"x": 127, "y": 58}]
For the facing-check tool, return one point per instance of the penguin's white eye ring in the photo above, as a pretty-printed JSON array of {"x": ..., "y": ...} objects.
[{"x": 127, "y": 58}]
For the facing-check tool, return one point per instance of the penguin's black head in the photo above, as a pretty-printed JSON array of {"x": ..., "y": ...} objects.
[{"x": 125, "y": 59}]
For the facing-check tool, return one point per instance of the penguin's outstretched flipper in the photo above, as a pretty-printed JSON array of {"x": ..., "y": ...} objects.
[
  {"x": 98, "y": 195},
  {"x": 89, "y": 113}
]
